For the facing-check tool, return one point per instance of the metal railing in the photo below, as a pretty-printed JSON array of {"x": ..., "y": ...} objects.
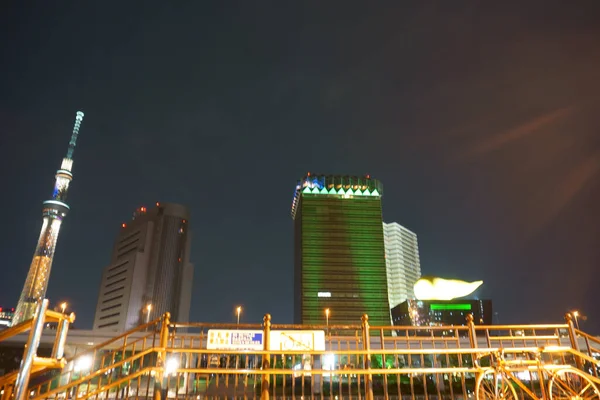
[
  {"x": 14, "y": 385},
  {"x": 161, "y": 360}
]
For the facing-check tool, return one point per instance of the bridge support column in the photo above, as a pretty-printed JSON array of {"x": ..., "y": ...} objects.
[
  {"x": 366, "y": 336},
  {"x": 35, "y": 334},
  {"x": 161, "y": 357},
  {"x": 266, "y": 358}
]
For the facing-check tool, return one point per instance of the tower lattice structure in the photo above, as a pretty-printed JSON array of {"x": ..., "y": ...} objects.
[{"x": 53, "y": 212}]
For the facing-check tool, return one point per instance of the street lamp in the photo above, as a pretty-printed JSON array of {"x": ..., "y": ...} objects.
[
  {"x": 148, "y": 310},
  {"x": 576, "y": 314},
  {"x": 63, "y": 307},
  {"x": 327, "y": 318},
  {"x": 238, "y": 311}
]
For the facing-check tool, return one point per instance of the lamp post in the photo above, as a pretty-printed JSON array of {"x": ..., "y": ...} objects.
[
  {"x": 327, "y": 318},
  {"x": 148, "y": 311},
  {"x": 63, "y": 307},
  {"x": 576, "y": 314},
  {"x": 238, "y": 310}
]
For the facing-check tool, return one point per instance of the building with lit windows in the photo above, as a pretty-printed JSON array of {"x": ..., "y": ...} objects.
[
  {"x": 442, "y": 312},
  {"x": 6, "y": 316},
  {"x": 339, "y": 261},
  {"x": 402, "y": 262},
  {"x": 150, "y": 271}
]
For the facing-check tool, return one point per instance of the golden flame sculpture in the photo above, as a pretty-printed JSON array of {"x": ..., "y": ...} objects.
[{"x": 433, "y": 288}]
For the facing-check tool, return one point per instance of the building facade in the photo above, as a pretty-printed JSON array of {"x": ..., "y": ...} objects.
[
  {"x": 402, "y": 262},
  {"x": 150, "y": 271},
  {"x": 339, "y": 251},
  {"x": 442, "y": 312},
  {"x": 6, "y": 316}
]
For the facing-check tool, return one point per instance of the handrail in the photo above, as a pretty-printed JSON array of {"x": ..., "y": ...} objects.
[
  {"x": 15, "y": 330},
  {"x": 49, "y": 317},
  {"x": 117, "y": 338},
  {"x": 529, "y": 327},
  {"x": 109, "y": 386},
  {"x": 479, "y": 350},
  {"x": 95, "y": 374},
  {"x": 113, "y": 384},
  {"x": 11, "y": 376}
]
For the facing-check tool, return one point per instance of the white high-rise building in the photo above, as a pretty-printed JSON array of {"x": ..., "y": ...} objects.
[
  {"x": 402, "y": 262},
  {"x": 150, "y": 271}
]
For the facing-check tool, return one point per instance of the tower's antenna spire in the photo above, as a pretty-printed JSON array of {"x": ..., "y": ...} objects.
[{"x": 73, "y": 141}]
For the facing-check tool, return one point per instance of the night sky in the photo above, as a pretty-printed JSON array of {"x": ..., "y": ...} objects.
[{"x": 482, "y": 122}]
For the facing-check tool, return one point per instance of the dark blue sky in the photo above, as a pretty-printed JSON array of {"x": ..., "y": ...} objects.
[{"x": 481, "y": 120}]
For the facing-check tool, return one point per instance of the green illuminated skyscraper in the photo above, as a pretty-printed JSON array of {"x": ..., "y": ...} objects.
[{"x": 339, "y": 251}]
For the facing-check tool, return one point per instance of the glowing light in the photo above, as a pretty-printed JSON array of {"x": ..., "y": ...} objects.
[
  {"x": 443, "y": 289},
  {"x": 324, "y": 294},
  {"x": 171, "y": 366},
  {"x": 123, "y": 225},
  {"x": 450, "y": 306},
  {"x": 58, "y": 203},
  {"x": 67, "y": 164},
  {"x": 328, "y": 361},
  {"x": 83, "y": 363}
]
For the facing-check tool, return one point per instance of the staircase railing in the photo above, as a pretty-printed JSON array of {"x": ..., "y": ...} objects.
[
  {"x": 111, "y": 365},
  {"x": 159, "y": 360},
  {"x": 15, "y": 384}
]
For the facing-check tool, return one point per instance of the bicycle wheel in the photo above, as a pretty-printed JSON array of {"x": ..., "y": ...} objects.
[
  {"x": 572, "y": 384},
  {"x": 494, "y": 385}
]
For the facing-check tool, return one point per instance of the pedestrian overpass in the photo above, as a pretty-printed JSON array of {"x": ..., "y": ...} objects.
[{"x": 163, "y": 360}]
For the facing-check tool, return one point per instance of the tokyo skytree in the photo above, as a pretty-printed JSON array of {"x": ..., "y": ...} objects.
[{"x": 53, "y": 212}]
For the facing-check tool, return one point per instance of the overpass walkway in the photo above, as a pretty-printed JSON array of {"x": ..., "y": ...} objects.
[{"x": 162, "y": 360}]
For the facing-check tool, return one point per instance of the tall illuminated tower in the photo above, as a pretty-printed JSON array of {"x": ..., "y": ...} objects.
[
  {"x": 53, "y": 213},
  {"x": 403, "y": 262},
  {"x": 339, "y": 251}
]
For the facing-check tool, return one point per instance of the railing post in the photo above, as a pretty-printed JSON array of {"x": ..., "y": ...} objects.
[
  {"x": 472, "y": 332},
  {"x": 161, "y": 356},
  {"x": 367, "y": 357},
  {"x": 35, "y": 334},
  {"x": 58, "y": 350},
  {"x": 8, "y": 390},
  {"x": 266, "y": 358},
  {"x": 573, "y": 338}
]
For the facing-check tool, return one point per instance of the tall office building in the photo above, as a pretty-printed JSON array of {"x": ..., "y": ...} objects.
[
  {"x": 402, "y": 262},
  {"x": 339, "y": 251},
  {"x": 53, "y": 213},
  {"x": 150, "y": 271}
]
